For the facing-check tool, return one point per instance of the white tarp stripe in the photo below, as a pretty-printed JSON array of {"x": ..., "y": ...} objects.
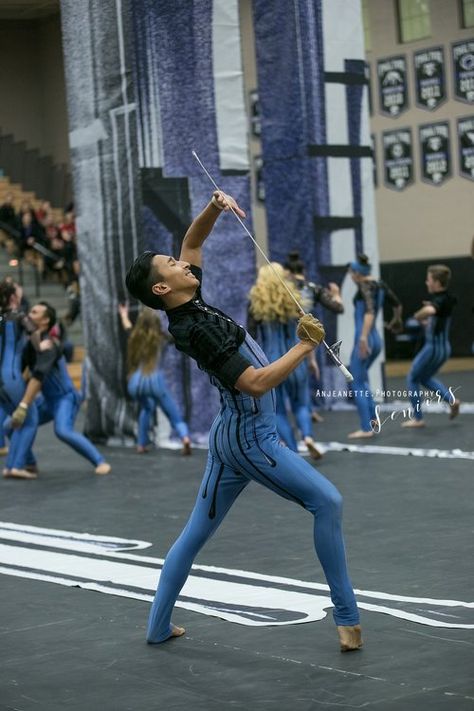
[
  {"x": 397, "y": 451},
  {"x": 342, "y": 40},
  {"x": 231, "y": 118},
  {"x": 260, "y": 605},
  {"x": 69, "y": 538}
]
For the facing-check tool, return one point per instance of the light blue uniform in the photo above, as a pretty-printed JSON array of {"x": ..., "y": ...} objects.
[
  {"x": 435, "y": 352},
  {"x": 244, "y": 446},
  {"x": 276, "y": 339},
  {"x": 151, "y": 391},
  {"x": 13, "y": 339}
]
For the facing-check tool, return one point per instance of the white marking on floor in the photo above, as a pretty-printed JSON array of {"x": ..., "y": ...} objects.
[{"x": 246, "y": 602}]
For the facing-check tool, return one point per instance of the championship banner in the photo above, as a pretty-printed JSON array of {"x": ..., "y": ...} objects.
[
  {"x": 398, "y": 158},
  {"x": 463, "y": 65},
  {"x": 466, "y": 147},
  {"x": 430, "y": 81},
  {"x": 435, "y": 153},
  {"x": 393, "y": 87}
]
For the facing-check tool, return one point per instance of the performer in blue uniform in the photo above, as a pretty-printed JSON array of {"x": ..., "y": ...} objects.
[
  {"x": 60, "y": 400},
  {"x": 435, "y": 315},
  {"x": 146, "y": 382},
  {"x": 368, "y": 301},
  {"x": 314, "y": 296},
  {"x": 273, "y": 317},
  {"x": 244, "y": 444},
  {"x": 15, "y": 397}
]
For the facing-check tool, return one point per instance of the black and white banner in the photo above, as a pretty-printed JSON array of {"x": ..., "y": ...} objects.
[
  {"x": 398, "y": 158},
  {"x": 463, "y": 65},
  {"x": 466, "y": 146},
  {"x": 435, "y": 152},
  {"x": 430, "y": 79},
  {"x": 393, "y": 88}
]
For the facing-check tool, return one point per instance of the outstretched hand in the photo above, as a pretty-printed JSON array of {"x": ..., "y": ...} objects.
[
  {"x": 310, "y": 329},
  {"x": 226, "y": 202}
]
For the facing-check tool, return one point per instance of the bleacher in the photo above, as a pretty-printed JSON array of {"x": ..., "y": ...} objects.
[{"x": 35, "y": 287}]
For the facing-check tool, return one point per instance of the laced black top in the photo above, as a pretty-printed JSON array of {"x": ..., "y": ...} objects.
[{"x": 209, "y": 336}]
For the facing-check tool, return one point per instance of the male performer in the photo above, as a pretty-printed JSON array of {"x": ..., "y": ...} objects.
[
  {"x": 243, "y": 442},
  {"x": 59, "y": 399},
  {"x": 435, "y": 314}
]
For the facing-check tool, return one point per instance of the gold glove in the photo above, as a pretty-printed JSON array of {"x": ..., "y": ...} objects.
[
  {"x": 19, "y": 415},
  {"x": 310, "y": 329}
]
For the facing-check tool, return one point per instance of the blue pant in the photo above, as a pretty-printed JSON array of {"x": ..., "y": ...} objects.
[
  {"x": 244, "y": 446},
  {"x": 151, "y": 391},
  {"x": 359, "y": 368},
  {"x": 21, "y": 439},
  {"x": 63, "y": 411},
  {"x": 3, "y": 417},
  {"x": 427, "y": 362},
  {"x": 294, "y": 390}
]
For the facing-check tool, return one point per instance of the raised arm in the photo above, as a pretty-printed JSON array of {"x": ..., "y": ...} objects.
[
  {"x": 201, "y": 226},
  {"x": 258, "y": 381},
  {"x": 426, "y": 310}
]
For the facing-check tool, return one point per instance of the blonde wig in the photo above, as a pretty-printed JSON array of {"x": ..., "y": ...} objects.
[
  {"x": 144, "y": 343},
  {"x": 269, "y": 300}
]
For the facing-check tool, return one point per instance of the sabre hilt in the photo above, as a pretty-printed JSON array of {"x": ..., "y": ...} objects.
[{"x": 333, "y": 352}]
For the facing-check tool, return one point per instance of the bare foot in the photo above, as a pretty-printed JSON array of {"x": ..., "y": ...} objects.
[
  {"x": 19, "y": 474},
  {"x": 177, "y": 631},
  {"x": 186, "y": 451},
  {"x": 360, "y": 434},
  {"x": 142, "y": 450},
  {"x": 413, "y": 424},
  {"x": 454, "y": 410},
  {"x": 314, "y": 452},
  {"x": 350, "y": 638},
  {"x": 316, "y": 417},
  {"x": 103, "y": 468}
]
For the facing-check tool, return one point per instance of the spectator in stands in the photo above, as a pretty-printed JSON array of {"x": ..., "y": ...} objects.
[
  {"x": 44, "y": 213},
  {"x": 68, "y": 225},
  {"x": 31, "y": 233},
  {"x": 26, "y": 206},
  {"x": 7, "y": 213}
]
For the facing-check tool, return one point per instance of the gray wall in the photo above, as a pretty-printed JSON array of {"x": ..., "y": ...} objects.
[{"x": 32, "y": 91}]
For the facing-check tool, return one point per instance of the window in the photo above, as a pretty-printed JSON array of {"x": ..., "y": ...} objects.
[
  {"x": 366, "y": 24},
  {"x": 414, "y": 19},
  {"x": 467, "y": 7}
]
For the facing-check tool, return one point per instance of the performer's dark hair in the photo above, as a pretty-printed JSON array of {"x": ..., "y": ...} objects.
[
  {"x": 140, "y": 278},
  {"x": 7, "y": 289},
  {"x": 363, "y": 259},
  {"x": 293, "y": 263},
  {"x": 50, "y": 312}
]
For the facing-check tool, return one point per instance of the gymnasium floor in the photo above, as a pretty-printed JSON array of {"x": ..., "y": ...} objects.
[{"x": 74, "y": 608}]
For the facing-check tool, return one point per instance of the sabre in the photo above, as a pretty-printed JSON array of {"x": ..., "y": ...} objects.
[{"x": 333, "y": 351}]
